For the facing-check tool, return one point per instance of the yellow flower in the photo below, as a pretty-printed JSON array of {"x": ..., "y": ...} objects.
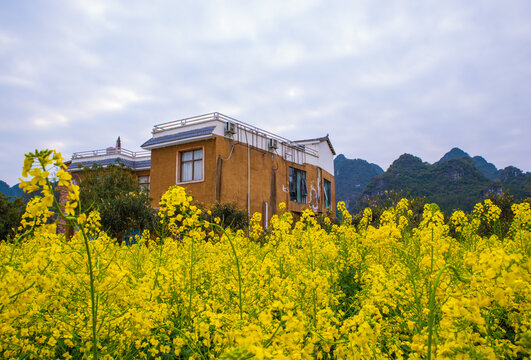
[
  {"x": 81, "y": 219},
  {"x": 302, "y": 291}
]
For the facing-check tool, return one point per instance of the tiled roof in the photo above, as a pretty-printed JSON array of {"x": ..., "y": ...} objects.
[
  {"x": 320, "y": 139},
  {"x": 116, "y": 161},
  {"x": 179, "y": 136}
]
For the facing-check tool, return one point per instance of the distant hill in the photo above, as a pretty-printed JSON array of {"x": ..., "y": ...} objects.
[
  {"x": 7, "y": 190},
  {"x": 488, "y": 169},
  {"x": 351, "y": 177},
  {"x": 457, "y": 180},
  {"x": 516, "y": 182},
  {"x": 453, "y": 183}
]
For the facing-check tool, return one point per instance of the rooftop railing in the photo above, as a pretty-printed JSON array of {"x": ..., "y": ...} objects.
[
  {"x": 247, "y": 128},
  {"x": 112, "y": 151}
]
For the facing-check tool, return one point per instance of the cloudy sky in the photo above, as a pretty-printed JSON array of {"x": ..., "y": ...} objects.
[{"x": 381, "y": 77}]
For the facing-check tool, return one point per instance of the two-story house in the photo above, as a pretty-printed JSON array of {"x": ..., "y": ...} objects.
[{"x": 220, "y": 159}]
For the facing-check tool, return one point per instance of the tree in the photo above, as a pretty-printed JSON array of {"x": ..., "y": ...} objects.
[
  {"x": 11, "y": 211},
  {"x": 117, "y": 195}
]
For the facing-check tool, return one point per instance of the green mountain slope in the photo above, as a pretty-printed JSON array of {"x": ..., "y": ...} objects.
[
  {"x": 454, "y": 182},
  {"x": 516, "y": 182},
  {"x": 11, "y": 191},
  {"x": 351, "y": 177},
  {"x": 5, "y": 188},
  {"x": 487, "y": 169}
]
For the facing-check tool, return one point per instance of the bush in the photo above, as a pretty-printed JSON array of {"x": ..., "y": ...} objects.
[
  {"x": 230, "y": 216},
  {"x": 10, "y": 214}
]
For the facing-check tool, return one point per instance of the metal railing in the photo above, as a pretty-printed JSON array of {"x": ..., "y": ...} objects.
[
  {"x": 244, "y": 131},
  {"x": 112, "y": 151},
  {"x": 188, "y": 121}
]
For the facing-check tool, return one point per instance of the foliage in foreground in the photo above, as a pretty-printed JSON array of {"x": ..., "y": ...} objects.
[{"x": 200, "y": 291}]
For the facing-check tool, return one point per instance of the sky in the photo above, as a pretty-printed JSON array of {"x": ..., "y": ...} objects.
[{"x": 382, "y": 78}]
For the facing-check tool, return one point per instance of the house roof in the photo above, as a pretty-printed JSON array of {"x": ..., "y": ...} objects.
[
  {"x": 179, "y": 136},
  {"x": 318, "y": 140},
  {"x": 135, "y": 165}
]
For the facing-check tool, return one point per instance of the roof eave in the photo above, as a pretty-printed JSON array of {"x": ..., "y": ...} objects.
[
  {"x": 330, "y": 145},
  {"x": 176, "y": 142},
  {"x": 319, "y": 140}
]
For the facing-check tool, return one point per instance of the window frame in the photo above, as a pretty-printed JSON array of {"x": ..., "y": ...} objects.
[
  {"x": 180, "y": 163},
  {"x": 145, "y": 186},
  {"x": 301, "y": 187}
]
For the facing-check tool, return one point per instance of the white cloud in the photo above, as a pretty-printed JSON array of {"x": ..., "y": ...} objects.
[
  {"x": 6, "y": 41},
  {"x": 114, "y": 98},
  {"x": 385, "y": 78},
  {"x": 294, "y": 92},
  {"x": 49, "y": 119},
  {"x": 16, "y": 81},
  {"x": 284, "y": 54},
  {"x": 95, "y": 10}
]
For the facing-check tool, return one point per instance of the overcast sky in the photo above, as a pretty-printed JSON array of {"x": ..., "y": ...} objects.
[{"x": 381, "y": 77}]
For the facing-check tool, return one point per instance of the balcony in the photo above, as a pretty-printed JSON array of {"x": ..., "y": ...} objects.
[{"x": 140, "y": 160}]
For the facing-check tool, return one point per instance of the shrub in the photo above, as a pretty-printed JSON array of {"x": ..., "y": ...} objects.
[{"x": 230, "y": 216}]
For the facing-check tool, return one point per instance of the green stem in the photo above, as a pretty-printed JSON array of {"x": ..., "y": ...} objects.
[
  {"x": 191, "y": 343},
  {"x": 94, "y": 308},
  {"x": 191, "y": 279},
  {"x": 18, "y": 240},
  {"x": 21, "y": 291},
  {"x": 270, "y": 341},
  {"x": 156, "y": 281},
  {"x": 314, "y": 294},
  {"x": 237, "y": 268},
  {"x": 92, "y": 296},
  {"x": 431, "y": 316}
]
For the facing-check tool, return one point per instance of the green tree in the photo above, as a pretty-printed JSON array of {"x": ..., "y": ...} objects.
[
  {"x": 117, "y": 195},
  {"x": 11, "y": 211}
]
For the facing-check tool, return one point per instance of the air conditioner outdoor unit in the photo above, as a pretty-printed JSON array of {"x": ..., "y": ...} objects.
[
  {"x": 273, "y": 144},
  {"x": 230, "y": 128}
]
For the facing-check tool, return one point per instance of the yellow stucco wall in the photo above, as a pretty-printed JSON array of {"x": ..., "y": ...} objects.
[{"x": 226, "y": 176}]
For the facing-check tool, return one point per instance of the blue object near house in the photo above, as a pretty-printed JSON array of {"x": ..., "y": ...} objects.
[{"x": 131, "y": 237}]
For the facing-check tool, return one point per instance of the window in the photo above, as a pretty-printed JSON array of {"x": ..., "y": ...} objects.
[
  {"x": 297, "y": 185},
  {"x": 144, "y": 182},
  {"x": 76, "y": 180},
  {"x": 327, "y": 194},
  {"x": 191, "y": 165}
]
